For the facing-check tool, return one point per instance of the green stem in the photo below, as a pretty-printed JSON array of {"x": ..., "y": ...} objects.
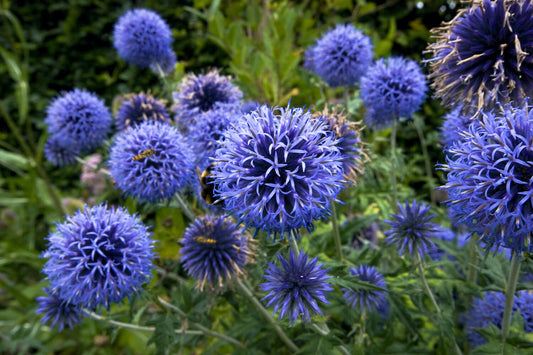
[
  {"x": 200, "y": 327},
  {"x": 294, "y": 244},
  {"x": 92, "y": 166},
  {"x": 509, "y": 296},
  {"x": 346, "y": 96},
  {"x": 188, "y": 212},
  {"x": 393, "y": 161},
  {"x": 472, "y": 268},
  {"x": 362, "y": 332},
  {"x": 323, "y": 329},
  {"x": 336, "y": 233},
  {"x": 427, "y": 162},
  {"x": 250, "y": 296},
  {"x": 425, "y": 285},
  {"x": 135, "y": 327}
]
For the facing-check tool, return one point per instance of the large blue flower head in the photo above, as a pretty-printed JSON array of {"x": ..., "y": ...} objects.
[
  {"x": 452, "y": 126},
  {"x": 142, "y": 38},
  {"x": 204, "y": 135},
  {"x": 214, "y": 251},
  {"x": 349, "y": 143},
  {"x": 137, "y": 108},
  {"x": 78, "y": 118},
  {"x": 392, "y": 88},
  {"x": 411, "y": 229},
  {"x": 489, "y": 178},
  {"x": 59, "y": 311},
  {"x": 151, "y": 161},
  {"x": 278, "y": 169},
  {"x": 482, "y": 57},
  {"x": 60, "y": 151},
  {"x": 341, "y": 56},
  {"x": 368, "y": 300},
  {"x": 295, "y": 288},
  {"x": 98, "y": 256},
  {"x": 201, "y": 93}
]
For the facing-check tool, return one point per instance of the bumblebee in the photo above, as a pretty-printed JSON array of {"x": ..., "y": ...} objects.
[
  {"x": 144, "y": 154},
  {"x": 206, "y": 179}
]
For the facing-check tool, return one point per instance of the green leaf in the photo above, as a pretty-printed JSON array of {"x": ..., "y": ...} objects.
[
  {"x": 13, "y": 161},
  {"x": 13, "y": 66}
]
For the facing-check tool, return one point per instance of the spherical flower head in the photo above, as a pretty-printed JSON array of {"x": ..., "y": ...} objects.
[
  {"x": 488, "y": 178},
  {"x": 98, "y": 256},
  {"x": 206, "y": 133},
  {"x": 341, "y": 56},
  {"x": 411, "y": 229},
  {"x": 60, "y": 152},
  {"x": 368, "y": 300},
  {"x": 480, "y": 58},
  {"x": 92, "y": 177},
  {"x": 295, "y": 288},
  {"x": 79, "y": 118},
  {"x": 58, "y": 311},
  {"x": 201, "y": 93},
  {"x": 452, "y": 126},
  {"x": 142, "y": 37},
  {"x": 137, "y": 108},
  {"x": 349, "y": 143},
  {"x": 151, "y": 161},
  {"x": 309, "y": 59},
  {"x": 392, "y": 88},
  {"x": 214, "y": 251},
  {"x": 278, "y": 169}
]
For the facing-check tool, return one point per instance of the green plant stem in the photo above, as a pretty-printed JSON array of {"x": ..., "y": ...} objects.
[
  {"x": 393, "y": 161},
  {"x": 336, "y": 233},
  {"x": 346, "y": 96},
  {"x": 92, "y": 166},
  {"x": 268, "y": 317},
  {"x": 509, "y": 297},
  {"x": 200, "y": 327},
  {"x": 427, "y": 163},
  {"x": 29, "y": 153},
  {"x": 188, "y": 212},
  {"x": 135, "y": 327},
  {"x": 294, "y": 244},
  {"x": 323, "y": 329},
  {"x": 362, "y": 332},
  {"x": 472, "y": 268}
]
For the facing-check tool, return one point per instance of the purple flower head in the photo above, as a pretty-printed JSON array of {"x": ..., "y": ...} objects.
[
  {"x": 369, "y": 300},
  {"x": 411, "y": 229},
  {"x": 137, "y": 108},
  {"x": 77, "y": 118},
  {"x": 214, "y": 251},
  {"x": 484, "y": 312},
  {"x": 341, "y": 56},
  {"x": 201, "y": 93},
  {"x": 98, "y": 256},
  {"x": 349, "y": 143},
  {"x": 392, "y": 88},
  {"x": 58, "y": 311},
  {"x": 489, "y": 178},
  {"x": 454, "y": 123},
  {"x": 481, "y": 57},
  {"x": 60, "y": 152},
  {"x": 295, "y": 288},
  {"x": 151, "y": 161},
  {"x": 278, "y": 169},
  {"x": 142, "y": 37}
]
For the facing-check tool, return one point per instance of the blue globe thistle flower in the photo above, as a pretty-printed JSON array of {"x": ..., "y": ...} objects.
[
  {"x": 411, "y": 229},
  {"x": 369, "y": 300},
  {"x": 349, "y": 143},
  {"x": 392, "y": 88},
  {"x": 142, "y": 37},
  {"x": 309, "y": 59},
  {"x": 201, "y": 93},
  {"x": 214, "y": 251},
  {"x": 166, "y": 64},
  {"x": 480, "y": 58},
  {"x": 60, "y": 152},
  {"x": 79, "y": 118},
  {"x": 204, "y": 135},
  {"x": 488, "y": 178},
  {"x": 484, "y": 312},
  {"x": 295, "y": 288},
  {"x": 278, "y": 169},
  {"x": 341, "y": 56},
  {"x": 59, "y": 311},
  {"x": 452, "y": 126},
  {"x": 151, "y": 161},
  {"x": 98, "y": 256},
  {"x": 524, "y": 303},
  {"x": 249, "y": 106},
  {"x": 137, "y": 108}
]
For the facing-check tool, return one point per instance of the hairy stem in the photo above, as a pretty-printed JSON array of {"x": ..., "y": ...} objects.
[
  {"x": 185, "y": 209},
  {"x": 294, "y": 244}
]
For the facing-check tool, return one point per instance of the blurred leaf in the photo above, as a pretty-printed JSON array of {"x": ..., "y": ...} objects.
[{"x": 13, "y": 161}]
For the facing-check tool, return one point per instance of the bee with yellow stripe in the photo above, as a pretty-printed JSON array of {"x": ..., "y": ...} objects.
[
  {"x": 201, "y": 239},
  {"x": 144, "y": 154}
]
